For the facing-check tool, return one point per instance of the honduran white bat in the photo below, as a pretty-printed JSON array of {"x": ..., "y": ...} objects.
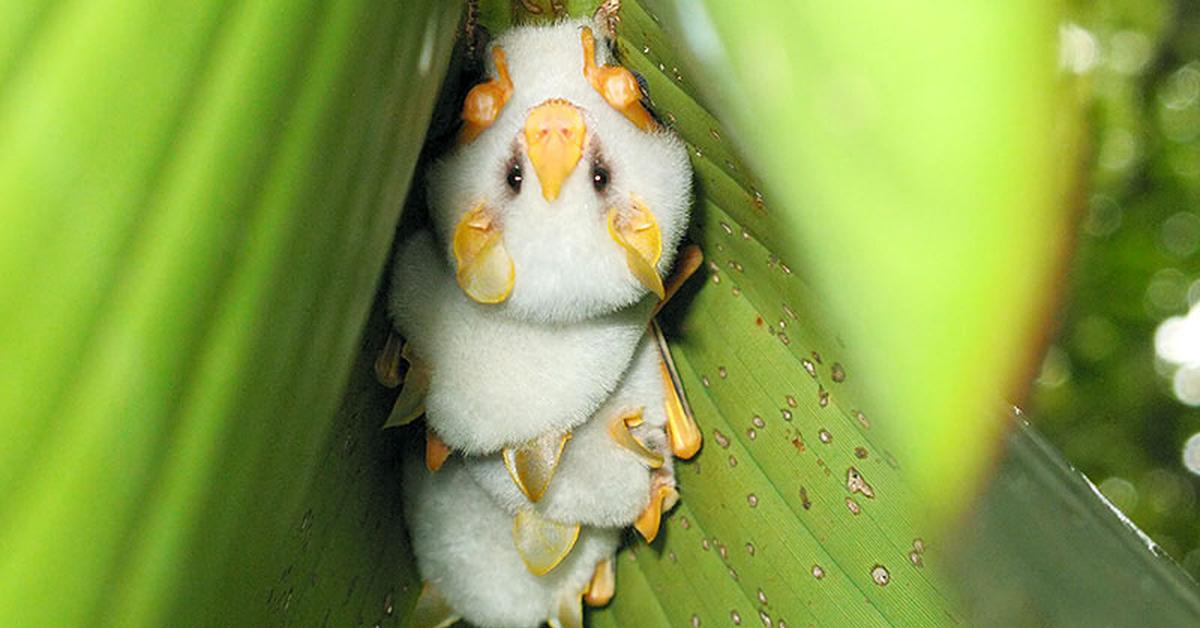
[{"x": 555, "y": 218}]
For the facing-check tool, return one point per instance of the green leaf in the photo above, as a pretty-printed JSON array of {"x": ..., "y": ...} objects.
[
  {"x": 198, "y": 199},
  {"x": 1047, "y": 549},
  {"x": 918, "y": 178}
]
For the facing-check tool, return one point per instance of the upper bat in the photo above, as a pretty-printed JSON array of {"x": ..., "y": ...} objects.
[{"x": 563, "y": 199}]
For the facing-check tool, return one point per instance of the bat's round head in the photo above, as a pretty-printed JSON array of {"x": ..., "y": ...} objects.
[{"x": 564, "y": 199}]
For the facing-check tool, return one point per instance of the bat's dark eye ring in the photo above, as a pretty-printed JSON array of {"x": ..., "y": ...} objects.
[
  {"x": 599, "y": 178},
  {"x": 514, "y": 177}
]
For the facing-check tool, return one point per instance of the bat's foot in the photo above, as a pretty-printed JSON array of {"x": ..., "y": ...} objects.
[
  {"x": 603, "y": 584},
  {"x": 663, "y": 498}
]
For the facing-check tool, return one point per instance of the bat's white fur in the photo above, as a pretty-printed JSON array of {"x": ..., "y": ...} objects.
[
  {"x": 464, "y": 547},
  {"x": 568, "y": 268},
  {"x": 597, "y": 481},
  {"x": 496, "y": 381}
]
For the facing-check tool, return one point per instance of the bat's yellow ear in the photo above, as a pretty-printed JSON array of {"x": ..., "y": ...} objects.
[
  {"x": 616, "y": 84},
  {"x": 485, "y": 269},
  {"x": 639, "y": 235},
  {"x": 486, "y": 100}
]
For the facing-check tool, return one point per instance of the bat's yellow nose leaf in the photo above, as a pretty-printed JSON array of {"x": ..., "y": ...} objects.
[
  {"x": 485, "y": 270},
  {"x": 554, "y": 133},
  {"x": 485, "y": 101},
  {"x": 615, "y": 84},
  {"x": 620, "y": 431},
  {"x": 662, "y": 499},
  {"x": 638, "y": 234},
  {"x": 533, "y": 464},
  {"x": 542, "y": 543}
]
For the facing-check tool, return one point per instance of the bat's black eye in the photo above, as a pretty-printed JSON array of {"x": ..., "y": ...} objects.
[
  {"x": 514, "y": 177},
  {"x": 599, "y": 178}
]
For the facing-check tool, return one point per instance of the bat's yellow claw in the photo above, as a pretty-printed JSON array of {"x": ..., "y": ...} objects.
[
  {"x": 436, "y": 451},
  {"x": 639, "y": 236},
  {"x": 603, "y": 585},
  {"x": 682, "y": 432},
  {"x": 542, "y": 543},
  {"x": 683, "y": 435},
  {"x": 663, "y": 498},
  {"x": 619, "y": 431},
  {"x": 485, "y": 270},
  {"x": 533, "y": 464}
]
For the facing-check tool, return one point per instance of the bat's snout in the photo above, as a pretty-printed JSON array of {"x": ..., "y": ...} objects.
[{"x": 554, "y": 133}]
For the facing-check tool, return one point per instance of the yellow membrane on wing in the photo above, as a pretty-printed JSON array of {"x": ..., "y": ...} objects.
[
  {"x": 387, "y": 364},
  {"x": 410, "y": 403},
  {"x": 542, "y": 543},
  {"x": 533, "y": 464},
  {"x": 485, "y": 270},
  {"x": 639, "y": 236},
  {"x": 620, "y": 431}
]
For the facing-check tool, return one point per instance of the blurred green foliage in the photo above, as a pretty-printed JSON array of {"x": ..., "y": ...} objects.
[{"x": 1102, "y": 395}]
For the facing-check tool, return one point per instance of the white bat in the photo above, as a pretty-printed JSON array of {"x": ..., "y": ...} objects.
[{"x": 555, "y": 219}]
